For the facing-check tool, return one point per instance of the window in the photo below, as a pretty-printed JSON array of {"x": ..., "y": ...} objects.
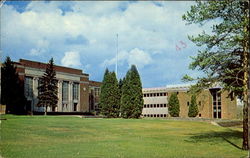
[
  {"x": 164, "y": 94},
  {"x": 75, "y": 91},
  {"x": 97, "y": 91},
  {"x": 188, "y": 103},
  {"x": 144, "y": 95},
  {"x": 165, "y": 105},
  {"x": 154, "y": 105},
  {"x": 29, "y": 86},
  {"x": 158, "y": 115},
  {"x": 161, "y": 105},
  {"x": 157, "y": 105},
  {"x": 158, "y": 94},
  {"x": 39, "y": 84},
  {"x": 161, "y": 115},
  {"x": 65, "y": 92},
  {"x": 200, "y": 103},
  {"x": 165, "y": 115}
]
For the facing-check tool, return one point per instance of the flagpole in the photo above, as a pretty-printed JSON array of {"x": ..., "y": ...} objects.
[{"x": 116, "y": 66}]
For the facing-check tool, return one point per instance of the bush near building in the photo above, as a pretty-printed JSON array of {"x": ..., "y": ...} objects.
[
  {"x": 174, "y": 105},
  {"x": 193, "y": 108}
]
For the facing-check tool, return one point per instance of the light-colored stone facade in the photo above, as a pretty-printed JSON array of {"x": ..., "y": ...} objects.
[{"x": 155, "y": 102}]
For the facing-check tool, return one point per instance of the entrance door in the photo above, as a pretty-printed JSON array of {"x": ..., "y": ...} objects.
[
  {"x": 28, "y": 106},
  {"x": 216, "y": 103},
  {"x": 75, "y": 106}
]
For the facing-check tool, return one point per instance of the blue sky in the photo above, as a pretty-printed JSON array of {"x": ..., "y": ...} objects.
[{"x": 82, "y": 35}]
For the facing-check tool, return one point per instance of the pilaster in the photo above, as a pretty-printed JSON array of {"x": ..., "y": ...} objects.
[{"x": 59, "y": 95}]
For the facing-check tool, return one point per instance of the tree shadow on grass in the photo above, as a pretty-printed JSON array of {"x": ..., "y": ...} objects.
[{"x": 216, "y": 137}]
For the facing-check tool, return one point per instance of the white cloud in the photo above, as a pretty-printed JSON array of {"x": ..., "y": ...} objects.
[
  {"x": 71, "y": 59},
  {"x": 42, "y": 46},
  {"x": 135, "y": 56},
  {"x": 145, "y": 31},
  {"x": 139, "y": 58}
]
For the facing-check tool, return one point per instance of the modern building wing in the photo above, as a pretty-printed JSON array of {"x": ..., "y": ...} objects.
[{"x": 212, "y": 102}]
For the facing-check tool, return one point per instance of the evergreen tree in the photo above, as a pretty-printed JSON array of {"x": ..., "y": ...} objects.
[
  {"x": 104, "y": 93},
  {"x": 193, "y": 108},
  {"x": 48, "y": 88},
  {"x": 12, "y": 89},
  {"x": 137, "y": 96},
  {"x": 110, "y": 99},
  {"x": 132, "y": 97},
  {"x": 126, "y": 104},
  {"x": 174, "y": 105},
  {"x": 114, "y": 97},
  {"x": 224, "y": 54}
]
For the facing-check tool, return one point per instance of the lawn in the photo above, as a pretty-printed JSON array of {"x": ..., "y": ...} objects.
[{"x": 70, "y": 137}]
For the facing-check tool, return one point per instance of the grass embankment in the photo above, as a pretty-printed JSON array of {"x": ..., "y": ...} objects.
[{"x": 68, "y": 137}]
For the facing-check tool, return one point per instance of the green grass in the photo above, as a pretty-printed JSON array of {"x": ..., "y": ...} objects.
[{"x": 70, "y": 137}]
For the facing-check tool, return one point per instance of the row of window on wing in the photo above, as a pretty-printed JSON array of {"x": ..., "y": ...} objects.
[
  {"x": 155, "y": 115},
  {"x": 154, "y": 94},
  {"x": 155, "y": 105}
]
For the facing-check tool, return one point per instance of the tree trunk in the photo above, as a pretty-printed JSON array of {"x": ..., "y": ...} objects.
[
  {"x": 45, "y": 111},
  {"x": 245, "y": 144}
]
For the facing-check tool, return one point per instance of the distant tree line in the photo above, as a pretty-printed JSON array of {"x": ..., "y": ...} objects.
[{"x": 124, "y": 98}]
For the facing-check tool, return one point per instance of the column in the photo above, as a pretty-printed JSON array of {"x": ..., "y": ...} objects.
[
  {"x": 35, "y": 94},
  {"x": 70, "y": 96},
  {"x": 59, "y": 95}
]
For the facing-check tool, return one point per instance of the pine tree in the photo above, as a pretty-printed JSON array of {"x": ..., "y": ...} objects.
[
  {"x": 224, "y": 53},
  {"x": 48, "y": 89},
  {"x": 104, "y": 93},
  {"x": 113, "y": 98},
  {"x": 173, "y": 105},
  {"x": 193, "y": 108},
  {"x": 110, "y": 99},
  {"x": 132, "y": 97},
  {"x": 126, "y": 105},
  {"x": 12, "y": 89},
  {"x": 137, "y": 96}
]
